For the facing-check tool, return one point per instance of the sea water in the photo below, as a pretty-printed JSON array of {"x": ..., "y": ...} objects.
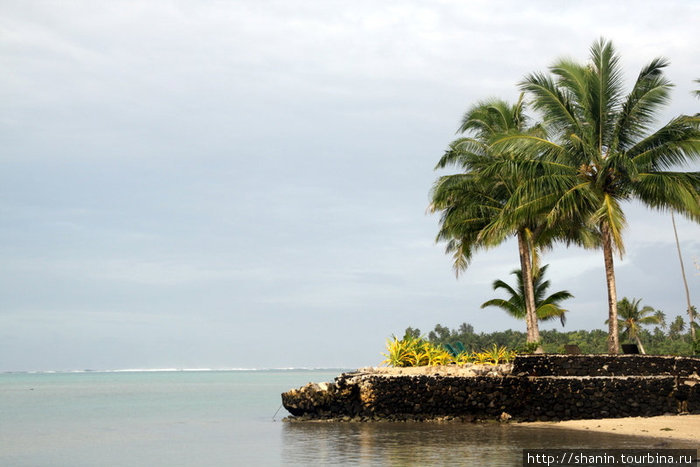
[{"x": 230, "y": 418}]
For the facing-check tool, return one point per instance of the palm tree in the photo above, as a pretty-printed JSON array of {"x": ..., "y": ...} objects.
[
  {"x": 600, "y": 152},
  {"x": 677, "y": 327},
  {"x": 547, "y": 308},
  {"x": 470, "y": 201},
  {"x": 631, "y": 319},
  {"x": 691, "y": 315},
  {"x": 691, "y": 308},
  {"x": 662, "y": 319}
]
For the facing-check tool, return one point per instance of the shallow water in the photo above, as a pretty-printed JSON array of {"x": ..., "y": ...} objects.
[
  {"x": 225, "y": 418},
  {"x": 435, "y": 443}
]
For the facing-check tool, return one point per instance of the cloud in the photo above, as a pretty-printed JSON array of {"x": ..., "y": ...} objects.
[{"x": 240, "y": 170}]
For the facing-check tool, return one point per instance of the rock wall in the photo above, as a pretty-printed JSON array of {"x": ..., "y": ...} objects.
[
  {"x": 604, "y": 365},
  {"x": 542, "y": 387}
]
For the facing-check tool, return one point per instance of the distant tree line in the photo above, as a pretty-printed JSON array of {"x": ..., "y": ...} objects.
[{"x": 674, "y": 339}]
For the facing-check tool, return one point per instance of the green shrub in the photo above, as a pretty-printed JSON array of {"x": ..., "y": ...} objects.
[{"x": 528, "y": 348}]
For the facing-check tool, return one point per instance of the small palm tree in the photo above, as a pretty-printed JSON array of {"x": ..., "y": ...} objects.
[
  {"x": 677, "y": 327},
  {"x": 547, "y": 308},
  {"x": 662, "y": 319},
  {"x": 631, "y": 319}
]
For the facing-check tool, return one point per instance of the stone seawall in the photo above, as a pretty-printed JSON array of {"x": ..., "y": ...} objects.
[
  {"x": 605, "y": 365},
  {"x": 539, "y": 387}
]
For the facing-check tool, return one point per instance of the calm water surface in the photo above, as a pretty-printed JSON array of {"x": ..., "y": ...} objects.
[{"x": 222, "y": 418}]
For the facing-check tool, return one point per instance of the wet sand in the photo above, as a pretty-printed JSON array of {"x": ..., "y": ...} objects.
[{"x": 672, "y": 427}]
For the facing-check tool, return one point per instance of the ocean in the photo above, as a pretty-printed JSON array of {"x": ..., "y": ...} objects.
[{"x": 231, "y": 418}]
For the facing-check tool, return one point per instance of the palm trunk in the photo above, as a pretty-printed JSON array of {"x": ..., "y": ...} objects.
[
  {"x": 613, "y": 339},
  {"x": 691, "y": 318},
  {"x": 533, "y": 331}
]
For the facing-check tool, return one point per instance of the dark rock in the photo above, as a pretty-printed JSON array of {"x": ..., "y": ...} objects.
[{"x": 541, "y": 387}]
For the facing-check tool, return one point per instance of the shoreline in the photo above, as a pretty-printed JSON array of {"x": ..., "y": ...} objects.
[{"x": 682, "y": 427}]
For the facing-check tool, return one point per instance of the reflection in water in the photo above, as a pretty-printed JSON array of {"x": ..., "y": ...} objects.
[{"x": 331, "y": 443}]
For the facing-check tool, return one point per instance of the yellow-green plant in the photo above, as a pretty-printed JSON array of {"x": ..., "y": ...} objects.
[
  {"x": 399, "y": 352},
  {"x": 437, "y": 355},
  {"x": 417, "y": 357},
  {"x": 482, "y": 358},
  {"x": 415, "y": 351},
  {"x": 495, "y": 355},
  {"x": 464, "y": 358}
]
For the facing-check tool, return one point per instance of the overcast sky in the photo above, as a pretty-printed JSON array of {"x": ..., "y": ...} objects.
[{"x": 210, "y": 184}]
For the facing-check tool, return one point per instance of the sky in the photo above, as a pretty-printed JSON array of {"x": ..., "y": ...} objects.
[{"x": 244, "y": 184}]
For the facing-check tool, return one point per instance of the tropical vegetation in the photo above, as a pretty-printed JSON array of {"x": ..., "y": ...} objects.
[
  {"x": 566, "y": 178},
  {"x": 413, "y": 350},
  {"x": 632, "y": 318},
  {"x": 672, "y": 340},
  {"x": 546, "y": 307},
  {"x": 470, "y": 202}
]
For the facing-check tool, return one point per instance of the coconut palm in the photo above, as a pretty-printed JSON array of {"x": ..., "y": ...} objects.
[
  {"x": 691, "y": 315},
  {"x": 472, "y": 202},
  {"x": 661, "y": 316},
  {"x": 691, "y": 308},
  {"x": 677, "y": 327},
  {"x": 631, "y": 319},
  {"x": 601, "y": 152},
  {"x": 547, "y": 307}
]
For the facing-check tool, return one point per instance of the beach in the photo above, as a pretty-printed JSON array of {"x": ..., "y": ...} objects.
[{"x": 668, "y": 427}]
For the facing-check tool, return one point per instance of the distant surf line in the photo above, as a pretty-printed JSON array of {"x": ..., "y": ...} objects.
[{"x": 177, "y": 370}]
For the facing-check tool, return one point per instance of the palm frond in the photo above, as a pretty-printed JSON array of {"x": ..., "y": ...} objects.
[
  {"x": 505, "y": 305},
  {"x": 546, "y": 307},
  {"x": 557, "y": 297},
  {"x": 604, "y": 91},
  {"x": 611, "y": 214},
  {"x": 549, "y": 311},
  {"x": 499, "y": 284},
  {"x": 670, "y": 190},
  {"x": 650, "y": 92},
  {"x": 550, "y": 100},
  {"x": 674, "y": 144}
]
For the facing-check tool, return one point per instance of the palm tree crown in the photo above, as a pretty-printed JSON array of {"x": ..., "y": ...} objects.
[
  {"x": 547, "y": 307},
  {"x": 600, "y": 152},
  {"x": 632, "y": 318}
]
